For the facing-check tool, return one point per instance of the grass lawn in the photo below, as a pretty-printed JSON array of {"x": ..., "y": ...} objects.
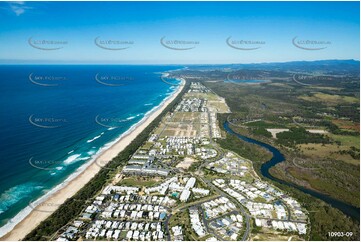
[
  {"x": 347, "y": 140},
  {"x": 140, "y": 181}
]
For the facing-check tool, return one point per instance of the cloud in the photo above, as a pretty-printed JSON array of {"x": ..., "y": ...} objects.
[{"x": 18, "y": 7}]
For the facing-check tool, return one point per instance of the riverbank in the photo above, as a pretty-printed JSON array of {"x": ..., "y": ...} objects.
[
  {"x": 37, "y": 215},
  {"x": 320, "y": 211},
  {"x": 278, "y": 157}
]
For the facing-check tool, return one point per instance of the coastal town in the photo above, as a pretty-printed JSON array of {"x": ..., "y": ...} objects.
[
  {"x": 180, "y": 120},
  {"x": 181, "y": 185}
]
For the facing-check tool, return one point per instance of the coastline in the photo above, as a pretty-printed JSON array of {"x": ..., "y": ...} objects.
[{"x": 35, "y": 215}]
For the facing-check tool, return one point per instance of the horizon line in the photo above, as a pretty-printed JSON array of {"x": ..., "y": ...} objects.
[{"x": 112, "y": 63}]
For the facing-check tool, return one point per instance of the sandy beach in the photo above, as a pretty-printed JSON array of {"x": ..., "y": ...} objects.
[{"x": 33, "y": 219}]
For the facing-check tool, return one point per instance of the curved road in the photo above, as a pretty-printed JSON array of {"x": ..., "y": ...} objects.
[{"x": 243, "y": 211}]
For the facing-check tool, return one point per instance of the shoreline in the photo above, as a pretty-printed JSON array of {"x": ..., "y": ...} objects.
[{"x": 77, "y": 180}]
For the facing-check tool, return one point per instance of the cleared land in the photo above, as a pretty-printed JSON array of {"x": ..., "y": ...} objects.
[
  {"x": 186, "y": 163},
  {"x": 329, "y": 99},
  {"x": 186, "y": 117},
  {"x": 208, "y": 96},
  {"x": 265, "y": 234}
]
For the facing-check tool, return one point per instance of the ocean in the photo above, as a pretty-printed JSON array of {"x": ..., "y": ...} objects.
[{"x": 55, "y": 119}]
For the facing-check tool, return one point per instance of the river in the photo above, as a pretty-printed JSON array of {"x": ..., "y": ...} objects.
[{"x": 278, "y": 157}]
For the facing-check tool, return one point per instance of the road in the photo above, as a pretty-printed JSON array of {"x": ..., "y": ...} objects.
[
  {"x": 220, "y": 155},
  {"x": 207, "y": 222},
  {"x": 209, "y": 184},
  {"x": 242, "y": 210},
  {"x": 203, "y": 200},
  {"x": 166, "y": 226},
  {"x": 288, "y": 210},
  {"x": 192, "y": 204}
]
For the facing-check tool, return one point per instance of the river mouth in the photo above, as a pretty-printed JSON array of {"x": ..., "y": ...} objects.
[{"x": 278, "y": 157}]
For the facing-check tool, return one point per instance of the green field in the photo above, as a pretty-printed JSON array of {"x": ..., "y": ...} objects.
[{"x": 138, "y": 181}]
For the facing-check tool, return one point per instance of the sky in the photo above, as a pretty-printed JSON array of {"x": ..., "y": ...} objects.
[{"x": 178, "y": 32}]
